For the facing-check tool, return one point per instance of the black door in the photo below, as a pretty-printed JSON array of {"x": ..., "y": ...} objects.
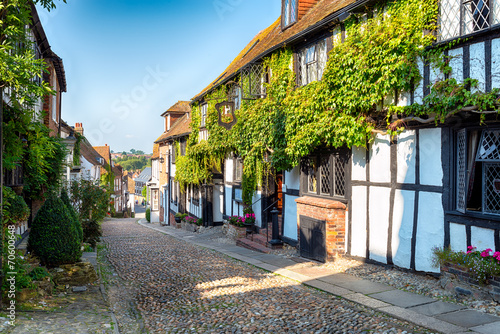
[{"x": 313, "y": 238}]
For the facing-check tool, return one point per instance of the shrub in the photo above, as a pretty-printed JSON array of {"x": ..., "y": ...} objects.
[
  {"x": 480, "y": 264},
  {"x": 190, "y": 220},
  {"x": 15, "y": 208},
  {"x": 148, "y": 215},
  {"x": 236, "y": 221},
  {"x": 74, "y": 215},
  {"x": 39, "y": 273},
  {"x": 53, "y": 237},
  {"x": 91, "y": 232},
  {"x": 199, "y": 222}
]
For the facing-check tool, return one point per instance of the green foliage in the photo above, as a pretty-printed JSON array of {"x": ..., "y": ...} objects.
[
  {"x": 39, "y": 273},
  {"x": 89, "y": 200},
  {"x": 77, "y": 149},
  {"x": 358, "y": 93},
  {"x": 144, "y": 192},
  {"x": 74, "y": 216},
  {"x": 92, "y": 232},
  {"x": 133, "y": 163},
  {"x": 15, "y": 209},
  {"x": 148, "y": 215},
  {"x": 18, "y": 265},
  {"x": 481, "y": 265},
  {"x": 236, "y": 221},
  {"x": 53, "y": 237}
]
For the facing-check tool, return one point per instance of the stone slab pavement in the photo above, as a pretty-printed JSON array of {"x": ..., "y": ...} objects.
[{"x": 423, "y": 311}]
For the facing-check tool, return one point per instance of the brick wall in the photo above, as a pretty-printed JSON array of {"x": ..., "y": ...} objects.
[{"x": 333, "y": 213}]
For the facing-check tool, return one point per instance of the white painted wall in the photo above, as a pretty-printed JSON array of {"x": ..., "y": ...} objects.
[
  {"x": 402, "y": 227},
  {"x": 406, "y": 149},
  {"x": 257, "y": 208},
  {"x": 457, "y": 64},
  {"x": 482, "y": 238},
  {"x": 431, "y": 169},
  {"x": 379, "y": 222},
  {"x": 292, "y": 179},
  {"x": 291, "y": 219},
  {"x": 380, "y": 162},
  {"x": 430, "y": 230},
  {"x": 229, "y": 165},
  {"x": 419, "y": 90},
  {"x": 495, "y": 63},
  {"x": 477, "y": 65},
  {"x": 358, "y": 241},
  {"x": 458, "y": 237},
  {"x": 358, "y": 164},
  {"x": 228, "y": 201}
]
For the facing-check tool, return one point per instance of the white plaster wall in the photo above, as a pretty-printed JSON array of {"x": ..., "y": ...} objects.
[
  {"x": 155, "y": 216},
  {"x": 431, "y": 169},
  {"x": 228, "y": 168},
  {"x": 406, "y": 148},
  {"x": 477, "y": 65},
  {"x": 292, "y": 179},
  {"x": 457, "y": 64},
  {"x": 482, "y": 238},
  {"x": 380, "y": 159},
  {"x": 419, "y": 91},
  {"x": 458, "y": 237},
  {"x": 257, "y": 208},
  {"x": 358, "y": 164},
  {"x": 430, "y": 230},
  {"x": 173, "y": 169},
  {"x": 495, "y": 63},
  {"x": 379, "y": 223},
  {"x": 358, "y": 222},
  {"x": 290, "y": 223},
  {"x": 402, "y": 227},
  {"x": 435, "y": 75}
]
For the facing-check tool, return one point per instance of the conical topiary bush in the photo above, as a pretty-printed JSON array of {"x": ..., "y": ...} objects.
[{"x": 53, "y": 237}]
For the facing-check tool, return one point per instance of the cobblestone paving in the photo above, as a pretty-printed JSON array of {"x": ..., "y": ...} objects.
[
  {"x": 73, "y": 313},
  {"x": 182, "y": 288}
]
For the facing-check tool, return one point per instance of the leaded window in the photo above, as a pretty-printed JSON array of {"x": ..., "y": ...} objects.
[
  {"x": 325, "y": 174},
  {"x": 311, "y": 62},
  {"x": 204, "y": 111},
  {"x": 478, "y": 171},
  {"x": 289, "y": 12},
  {"x": 462, "y": 17},
  {"x": 253, "y": 77},
  {"x": 238, "y": 170}
]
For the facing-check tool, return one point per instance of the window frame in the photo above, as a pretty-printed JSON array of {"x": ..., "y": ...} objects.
[
  {"x": 461, "y": 192},
  {"x": 237, "y": 170},
  {"x": 204, "y": 113},
  {"x": 302, "y": 49},
  {"x": 287, "y": 9},
  {"x": 461, "y": 21},
  {"x": 335, "y": 156}
]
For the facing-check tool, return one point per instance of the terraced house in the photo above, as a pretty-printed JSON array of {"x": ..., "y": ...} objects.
[{"x": 371, "y": 126}]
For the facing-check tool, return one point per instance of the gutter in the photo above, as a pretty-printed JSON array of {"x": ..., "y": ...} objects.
[{"x": 340, "y": 15}]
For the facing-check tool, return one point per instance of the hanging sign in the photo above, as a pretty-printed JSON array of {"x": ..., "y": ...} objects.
[{"x": 226, "y": 109}]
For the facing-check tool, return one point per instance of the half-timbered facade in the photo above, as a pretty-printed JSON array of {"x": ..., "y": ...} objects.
[{"x": 435, "y": 184}]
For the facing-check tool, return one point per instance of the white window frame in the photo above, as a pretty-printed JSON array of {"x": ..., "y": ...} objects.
[
  {"x": 204, "y": 112},
  {"x": 312, "y": 59},
  {"x": 290, "y": 12}
]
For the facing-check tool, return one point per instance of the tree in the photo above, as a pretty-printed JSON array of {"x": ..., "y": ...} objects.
[{"x": 132, "y": 150}]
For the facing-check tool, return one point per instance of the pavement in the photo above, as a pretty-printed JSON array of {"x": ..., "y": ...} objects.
[{"x": 423, "y": 311}]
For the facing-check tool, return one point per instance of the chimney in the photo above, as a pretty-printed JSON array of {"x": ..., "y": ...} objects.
[{"x": 79, "y": 128}]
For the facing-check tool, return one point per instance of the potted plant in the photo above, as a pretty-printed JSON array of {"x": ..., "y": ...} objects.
[
  {"x": 178, "y": 218},
  {"x": 249, "y": 221}
]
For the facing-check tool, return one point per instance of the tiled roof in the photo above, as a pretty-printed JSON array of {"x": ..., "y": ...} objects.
[
  {"x": 104, "y": 152},
  {"x": 145, "y": 175},
  {"x": 156, "y": 151},
  {"x": 273, "y": 37},
  {"x": 90, "y": 153},
  {"x": 180, "y": 128},
  {"x": 179, "y": 107}
]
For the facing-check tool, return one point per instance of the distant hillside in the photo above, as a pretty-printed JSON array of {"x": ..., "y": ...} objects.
[{"x": 132, "y": 162}]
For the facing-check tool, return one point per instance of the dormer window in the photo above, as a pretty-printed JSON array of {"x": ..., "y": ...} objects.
[{"x": 289, "y": 12}]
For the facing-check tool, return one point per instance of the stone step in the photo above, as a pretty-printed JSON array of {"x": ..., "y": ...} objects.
[
  {"x": 249, "y": 244},
  {"x": 258, "y": 238}
]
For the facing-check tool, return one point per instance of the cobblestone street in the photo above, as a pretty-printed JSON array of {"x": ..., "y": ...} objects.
[{"x": 180, "y": 287}]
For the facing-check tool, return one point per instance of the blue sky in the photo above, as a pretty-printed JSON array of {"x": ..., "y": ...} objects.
[{"x": 128, "y": 61}]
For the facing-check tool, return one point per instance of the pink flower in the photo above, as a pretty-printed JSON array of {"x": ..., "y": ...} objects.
[
  {"x": 470, "y": 249},
  {"x": 496, "y": 255},
  {"x": 486, "y": 252}
]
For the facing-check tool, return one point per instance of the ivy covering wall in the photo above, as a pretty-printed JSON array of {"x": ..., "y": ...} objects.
[{"x": 357, "y": 96}]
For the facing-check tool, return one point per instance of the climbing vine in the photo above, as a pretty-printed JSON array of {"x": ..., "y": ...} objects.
[{"x": 359, "y": 92}]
